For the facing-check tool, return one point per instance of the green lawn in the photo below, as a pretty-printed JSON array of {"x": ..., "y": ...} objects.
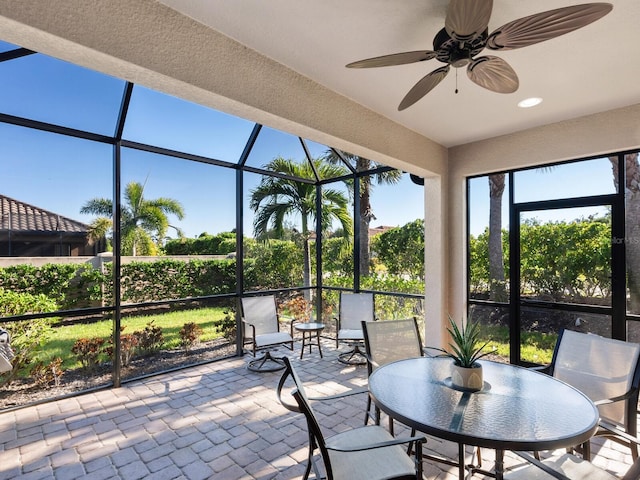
[
  {"x": 536, "y": 347},
  {"x": 63, "y": 338}
]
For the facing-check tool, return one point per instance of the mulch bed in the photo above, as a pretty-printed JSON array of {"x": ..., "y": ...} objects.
[{"x": 22, "y": 392}]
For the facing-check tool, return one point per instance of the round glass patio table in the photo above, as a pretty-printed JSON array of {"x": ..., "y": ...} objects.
[{"x": 517, "y": 409}]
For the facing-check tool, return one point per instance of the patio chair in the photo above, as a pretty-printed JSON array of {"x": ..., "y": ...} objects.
[
  {"x": 385, "y": 342},
  {"x": 354, "y": 309},
  {"x": 363, "y": 453},
  {"x": 261, "y": 330},
  {"x": 608, "y": 372},
  {"x": 389, "y": 341},
  {"x": 569, "y": 467}
]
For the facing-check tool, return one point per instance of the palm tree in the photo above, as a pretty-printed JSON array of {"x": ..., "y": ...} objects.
[
  {"x": 276, "y": 198},
  {"x": 632, "y": 234},
  {"x": 497, "y": 287},
  {"x": 389, "y": 177},
  {"x": 144, "y": 222}
]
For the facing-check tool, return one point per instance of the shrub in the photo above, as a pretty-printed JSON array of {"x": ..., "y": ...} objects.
[
  {"x": 44, "y": 375},
  {"x": 128, "y": 345},
  {"x": 227, "y": 326},
  {"x": 150, "y": 340},
  {"x": 298, "y": 308},
  {"x": 189, "y": 335},
  {"x": 26, "y": 335},
  {"x": 88, "y": 352},
  {"x": 16, "y": 303}
]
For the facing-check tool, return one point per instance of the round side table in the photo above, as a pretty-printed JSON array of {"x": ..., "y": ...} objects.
[{"x": 308, "y": 330}]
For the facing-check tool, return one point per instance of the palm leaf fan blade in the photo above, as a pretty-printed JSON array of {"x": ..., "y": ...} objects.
[{"x": 545, "y": 25}]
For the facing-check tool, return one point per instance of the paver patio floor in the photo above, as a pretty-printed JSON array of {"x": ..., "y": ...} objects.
[{"x": 216, "y": 421}]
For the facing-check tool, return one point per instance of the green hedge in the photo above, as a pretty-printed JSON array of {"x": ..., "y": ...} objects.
[
  {"x": 80, "y": 285},
  {"x": 69, "y": 285},
  {"x": 564, "y": 260},
  {"x": 173, "y": 279}
]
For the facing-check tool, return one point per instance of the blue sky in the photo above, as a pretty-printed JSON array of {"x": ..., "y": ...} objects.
[
  {"x": 60, "y": 173},
  {"x": 586, "y": 178}
]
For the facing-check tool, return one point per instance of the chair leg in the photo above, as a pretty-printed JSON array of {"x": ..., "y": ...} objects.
[
  {"x": 366, "y": 414},
  {"x": 479, "y": 455},
  {"x": 413, "y": 434},
  {"x": 353, "y": 357},
  {"x": 418, "y": 459},
  {"x": 586, "y": 450},
  {"x": 261, "y": 365},
  {"x": 308, "y": 469}
]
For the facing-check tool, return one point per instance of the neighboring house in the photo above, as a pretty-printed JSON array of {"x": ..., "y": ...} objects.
[
  {"x": 29, "y": 231},
  {"x": 377, "y": 230}
]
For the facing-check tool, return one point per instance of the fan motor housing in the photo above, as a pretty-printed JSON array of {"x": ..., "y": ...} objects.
[{"x": 455, "y": 53}]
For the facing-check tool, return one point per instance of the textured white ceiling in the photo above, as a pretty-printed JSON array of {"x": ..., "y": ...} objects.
[{"x": 591, "y": 70}]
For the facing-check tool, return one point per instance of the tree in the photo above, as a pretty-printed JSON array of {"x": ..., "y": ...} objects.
[
  {"x": 497, "y": 287},
  {"x": 401, "y": 249},
  {"x": 144, "y": 223},
  {"x": 277, "y": 198},
  {"x": 632, "y": 233},
  {"x": 366, "y": 211}
]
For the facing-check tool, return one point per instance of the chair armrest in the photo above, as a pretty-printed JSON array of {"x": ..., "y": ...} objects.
[
  {"x": 546, "y": 369},
  {"x": 606, "y": 401},
  {"x": 371, "y": 446},
  {"x": 253, "y": 329},
  {"x": 609, "y": 427},
  {"x": 291, "y": 322},
  {"x": 426, "y": 353},
  {"x": 542, "y": 466}
]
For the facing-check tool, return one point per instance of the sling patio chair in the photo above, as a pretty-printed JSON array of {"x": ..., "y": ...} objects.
[
  {"x": 261, "y": 330},
  {"x": 353, "y": 310},
  {"x": 388, "y": 341},
  {"x": 363, "y": 453},
  {"x": 567, "y": 466},
  {"x": 608, "y": 372},
  {"x": 385, "y": 342}
]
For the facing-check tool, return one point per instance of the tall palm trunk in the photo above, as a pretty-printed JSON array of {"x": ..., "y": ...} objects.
[
  {"x": 632, "y": 230},
  {"x": 366, "y": 215},
  {"x": 497, "y": 287},
  {"x": 306, "y": 261}
]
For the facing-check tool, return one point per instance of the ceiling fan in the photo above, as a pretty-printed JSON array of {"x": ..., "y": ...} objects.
[{"x": 466, "y": 34}]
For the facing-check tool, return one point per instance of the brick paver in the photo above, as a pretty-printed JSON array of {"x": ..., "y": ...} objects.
[{"x": 217, "y": 421}]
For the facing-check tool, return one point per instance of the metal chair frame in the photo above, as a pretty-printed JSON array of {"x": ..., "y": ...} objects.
[
  {"x": 261, "y": 330},
  {"x": 348, "y": 454},
  {"x": 410, "y": 346},
  {"x": 354, "y": 308},
  {"x": 627, "y": 424},
  {"x": 568, "y": 466}
]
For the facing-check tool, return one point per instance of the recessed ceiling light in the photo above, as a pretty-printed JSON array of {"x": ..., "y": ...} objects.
[{"x": 530, "y": 102}]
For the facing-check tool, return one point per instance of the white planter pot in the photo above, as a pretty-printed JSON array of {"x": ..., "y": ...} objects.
[{"x": 469, "y": 379}]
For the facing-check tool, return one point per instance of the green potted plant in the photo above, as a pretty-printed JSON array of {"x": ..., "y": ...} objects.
[{"x": 465, "y": 350}]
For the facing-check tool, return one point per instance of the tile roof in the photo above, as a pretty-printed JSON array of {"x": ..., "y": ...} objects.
[{"x": 18, "y": 216}]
